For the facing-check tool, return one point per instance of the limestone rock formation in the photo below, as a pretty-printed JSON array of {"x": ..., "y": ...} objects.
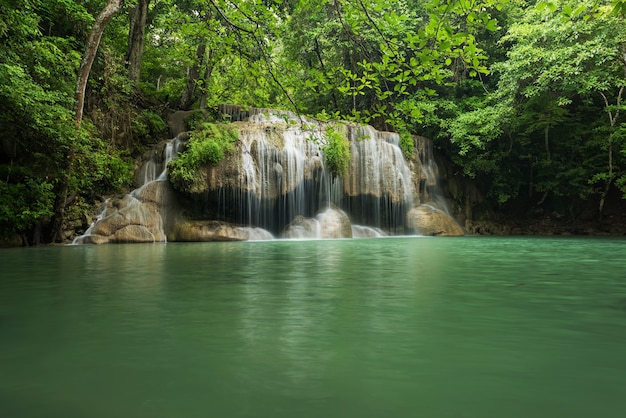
[
  {"x": 205, "y": 231},
  {"x": 135, "y": 218},
  {"x": 334, "y": 223},
  {"x": 428, "y": 220},
  {"x": 275, "y": 180},
  {"x": 127, "y": 220}
]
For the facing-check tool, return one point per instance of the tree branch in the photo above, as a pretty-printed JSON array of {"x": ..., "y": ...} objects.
[{"x": 228, "y": 21}]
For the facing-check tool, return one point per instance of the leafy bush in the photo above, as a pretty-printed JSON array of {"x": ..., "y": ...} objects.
[
  {"x": 24, "y": 204},
  {"x": 336, "y": 152},
  {"x": 406, "y": 144},
  {"x": 195, "y": 121},
  {"x": 207, "y": 145},
  {"x": 98, "y": 167},
  {"x": 148, "y": 125}
]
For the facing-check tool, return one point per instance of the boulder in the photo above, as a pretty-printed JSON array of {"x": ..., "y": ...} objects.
[
  {"x": 334, "y": 223},
  {"x": 331, "y": 223},
  {"x": 135, "y": 234},
  {"x": 428, "y": 220},
  {"x": 126, "y": 220},
  {"x": 303, "y": 228},
  {"x": 204, "y": 231}
]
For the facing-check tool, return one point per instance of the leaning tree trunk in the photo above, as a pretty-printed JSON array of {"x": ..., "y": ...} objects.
[
  {"x": 93, "y": 42},
  {"x": 205, "y": 82},
  {"x": 136, "y": 35}
]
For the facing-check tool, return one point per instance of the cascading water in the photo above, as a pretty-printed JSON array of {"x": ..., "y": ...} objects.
[
  {"x": 282, "y": 176},
  {"x": 430, "y": 189},
  {"x": 379, "y": 188},
  {"x": 138, "y": 216},
  {"x": 285, "y": 187},
  {"x": 276, "y": 184}
]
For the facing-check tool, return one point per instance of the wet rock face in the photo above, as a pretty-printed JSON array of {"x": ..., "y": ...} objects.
[
  {"x": 277, "y": 173},
  {"x": 140, "y": 217},
  {"x": 128, "y": 220},
  {"x": 428, "y": 220},
  {"x": 272, "y": 160}
]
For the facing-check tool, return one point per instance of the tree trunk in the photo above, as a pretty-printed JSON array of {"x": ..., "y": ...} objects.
[
  {"x": 205, "y": 81},
  {"x": 609, "y": 181},
  {"x": 93, "y": 42},
  {"x": 612, "y": 123},
  {"x": 193, "y": 75},
  {"x": 136, "y": 34}
]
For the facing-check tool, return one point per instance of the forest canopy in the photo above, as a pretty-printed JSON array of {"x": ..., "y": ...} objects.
[{"x": 524, "y": 97}]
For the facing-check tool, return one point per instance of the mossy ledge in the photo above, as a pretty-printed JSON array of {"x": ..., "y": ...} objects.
[{"x": 208, "y": 144}]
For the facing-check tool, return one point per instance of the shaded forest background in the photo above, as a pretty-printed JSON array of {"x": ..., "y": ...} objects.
[{"x": 523, "y": 98}]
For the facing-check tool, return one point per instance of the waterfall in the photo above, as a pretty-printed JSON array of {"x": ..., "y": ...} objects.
[
  {"x": 276, "y": 184},
  {"x": 380, "y": 186},
  {"x": 283, "y": 177}
]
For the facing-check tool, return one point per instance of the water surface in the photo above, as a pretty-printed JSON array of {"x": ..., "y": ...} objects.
[{"x": 394, "y": 327}]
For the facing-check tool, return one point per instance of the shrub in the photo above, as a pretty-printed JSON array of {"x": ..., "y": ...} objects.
[
  {"x": 208, "y": 144},
  {"x": 406, "y": 144},
  {"x": 336, "y": 152}
]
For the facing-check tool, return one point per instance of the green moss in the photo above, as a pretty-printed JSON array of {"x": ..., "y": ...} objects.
[
  {"x": 207, "y": 145},
  {"x": 336, "y": 152}
]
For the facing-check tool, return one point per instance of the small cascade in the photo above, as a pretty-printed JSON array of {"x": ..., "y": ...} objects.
[
  {"x": 281, "y": 176},
  {"x": 360, "y": 231},
  {"x": 101, "y": 215},
  {"x": 257, "y": 234},
  {"x": 380, "y": 187},
  {"x": 137, "y": 217},
  {"x": 155, "y": 162},
  {"x": 429, "y": 185}
]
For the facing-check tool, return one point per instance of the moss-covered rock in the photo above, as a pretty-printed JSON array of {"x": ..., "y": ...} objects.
[{"x": 207, "y": 145}]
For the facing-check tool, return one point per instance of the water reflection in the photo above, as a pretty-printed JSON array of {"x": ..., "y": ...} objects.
[{"x": 492, "y": 327}]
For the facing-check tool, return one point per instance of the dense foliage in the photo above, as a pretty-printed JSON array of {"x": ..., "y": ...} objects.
[{"x": 525, "y": 97}]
